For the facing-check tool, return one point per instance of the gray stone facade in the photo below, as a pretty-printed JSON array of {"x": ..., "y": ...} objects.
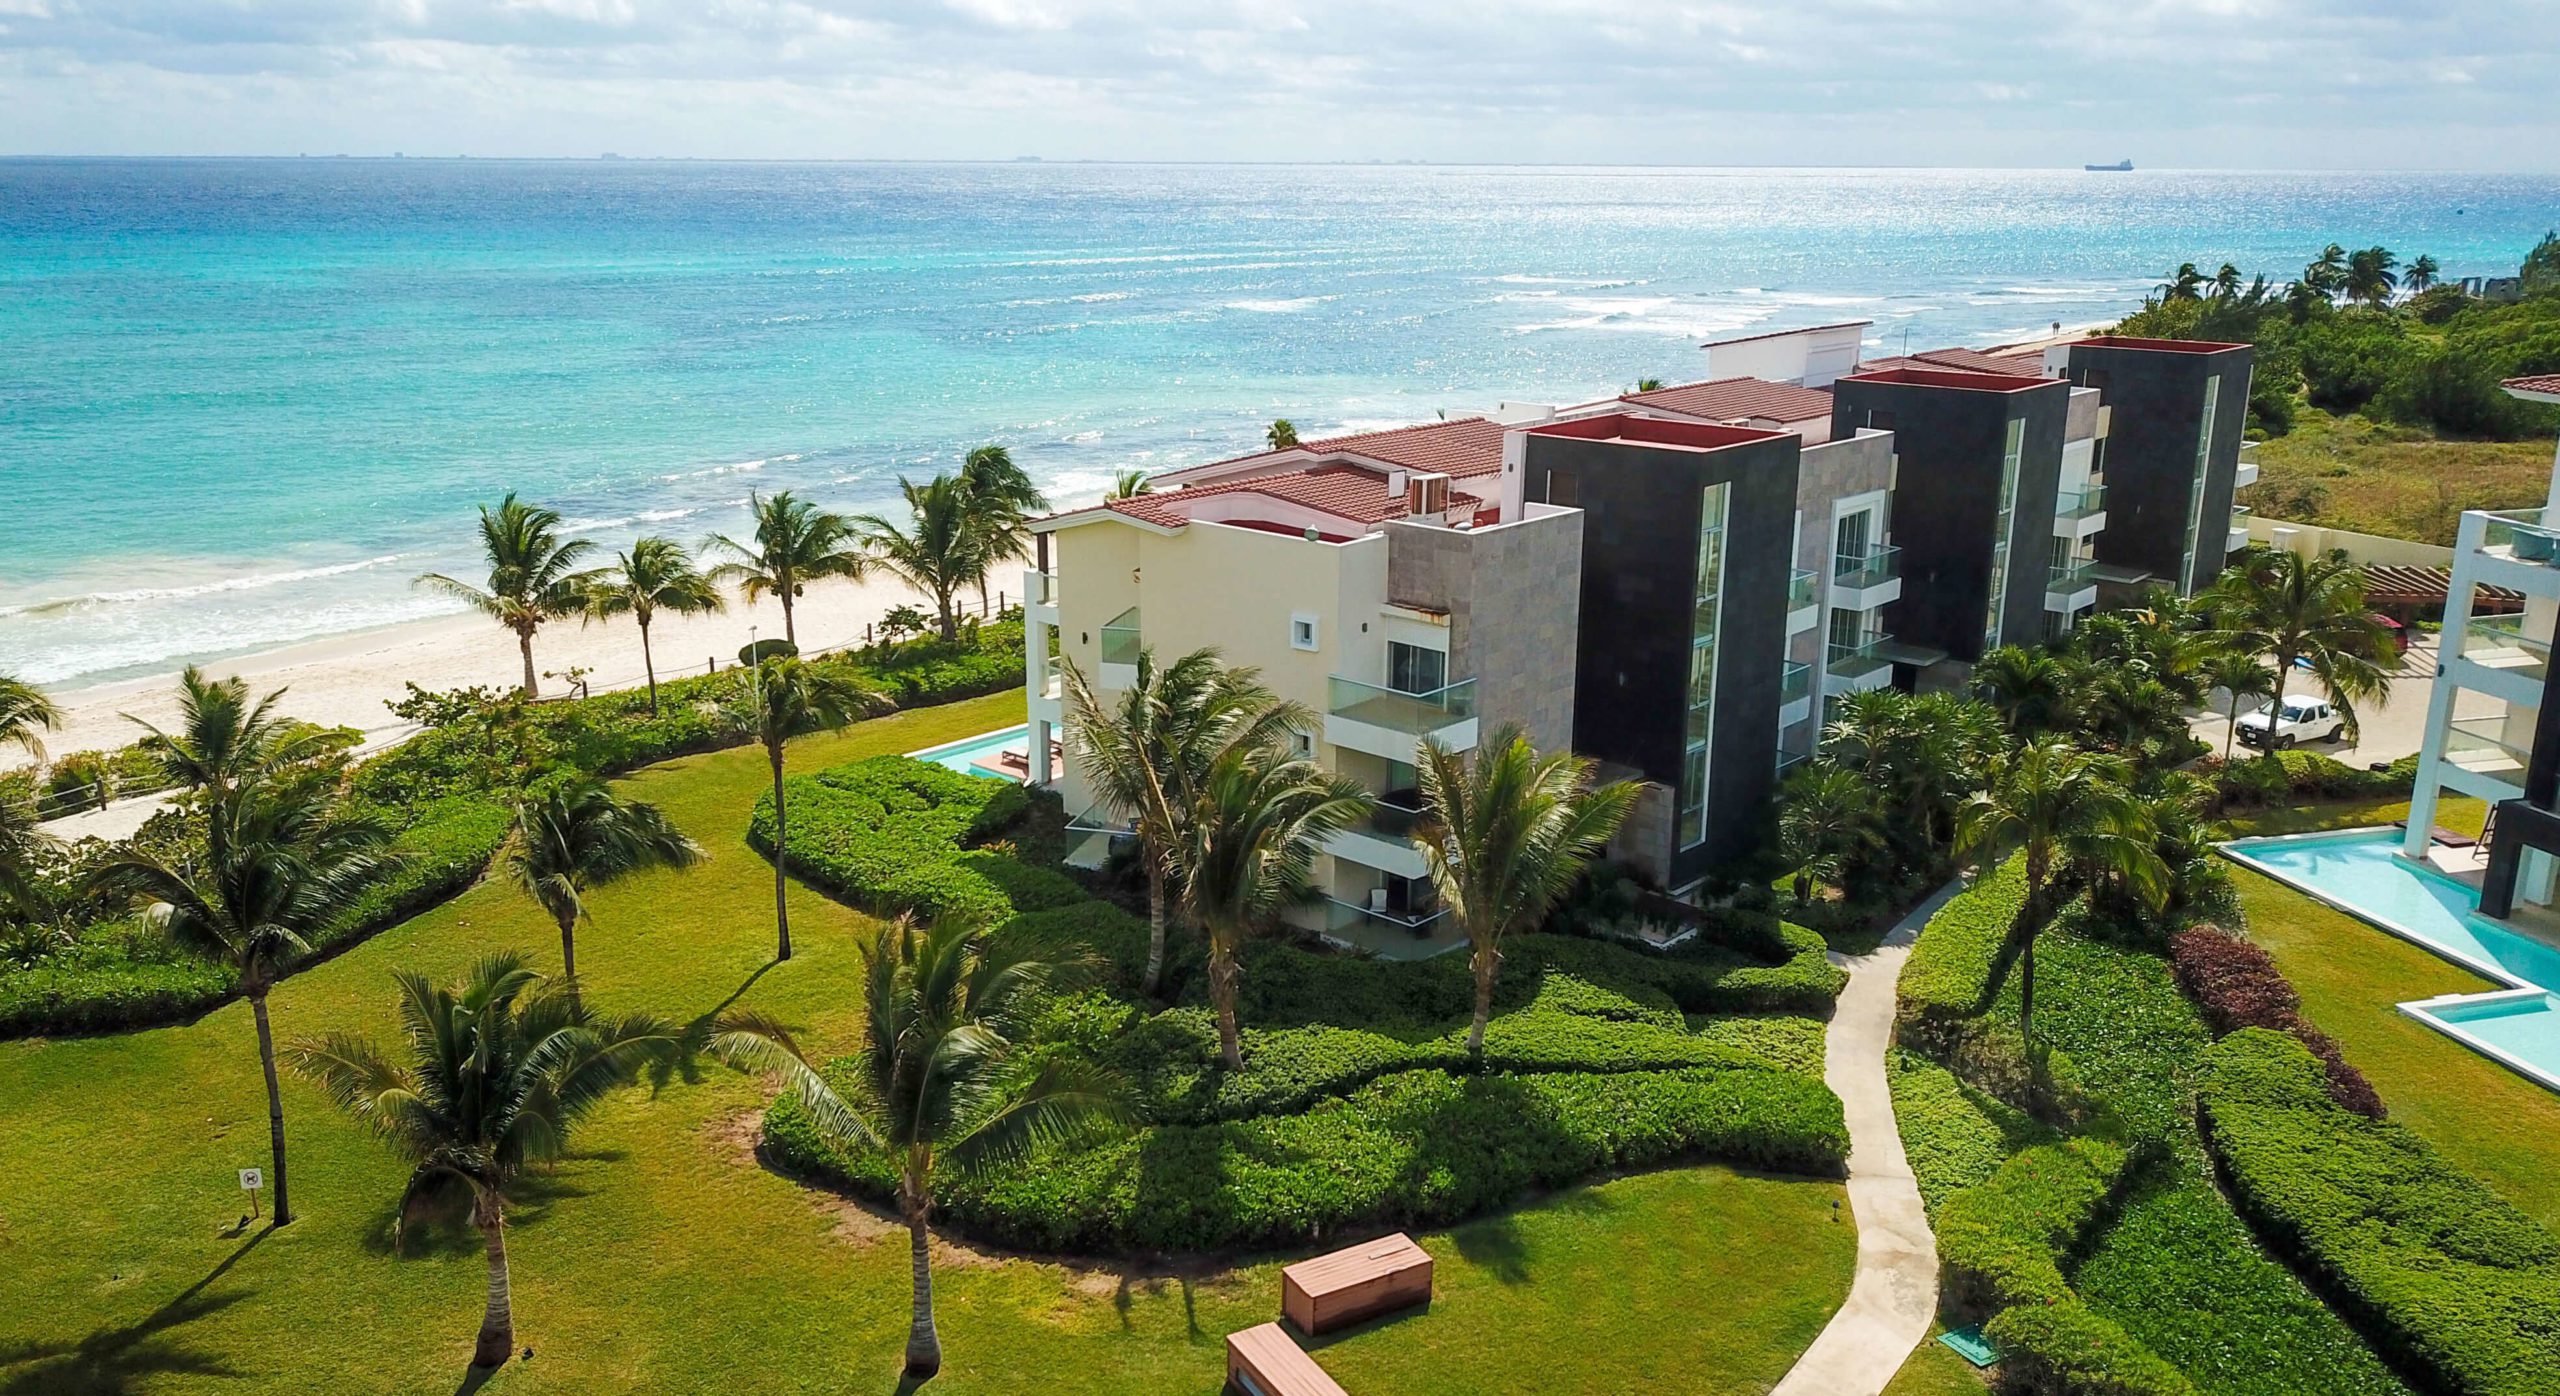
[{"x": 1513, "y": 598}]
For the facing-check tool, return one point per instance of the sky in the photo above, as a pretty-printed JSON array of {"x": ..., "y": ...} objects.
[{"x": 2312, "y": 84}]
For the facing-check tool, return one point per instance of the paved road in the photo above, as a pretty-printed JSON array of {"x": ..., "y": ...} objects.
[{"x": 2392, "y": 729}]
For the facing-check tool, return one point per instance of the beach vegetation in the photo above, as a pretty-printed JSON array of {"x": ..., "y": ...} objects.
[
  {"x": 575, "y": 836},
  {"x": 1129, "y": 484},
  {"x": 26, "y": 714},
  {"x": 656, "y": 575},
  {"x": 941, "y": 549},
  {"x": 795, "y": 543},
  {"x": 1002, "y": 501},
  {"x": 533, "y": 575},
  {"x": 1282, "y": 434}
]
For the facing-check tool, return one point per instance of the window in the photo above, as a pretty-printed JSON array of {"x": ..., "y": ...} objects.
[
  {"x": 1562, "y": 488},
  {"x": 1706, "y": 620},
  {"x": 1302, "y": 744},
  {"x": 1415, "y": 669},
  {"x": 1302, "y": 632},
  {"x": 2195, "y": 486},
  {"x": 2012, "y": 451},
  {"x": 1850, "y": 542}
]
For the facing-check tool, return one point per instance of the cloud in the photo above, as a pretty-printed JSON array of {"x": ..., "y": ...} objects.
[{"x": 2206, "y": 82}]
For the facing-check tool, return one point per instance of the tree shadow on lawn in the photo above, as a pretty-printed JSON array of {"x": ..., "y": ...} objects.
[
  {"x": 529, "y": 1202},
  {"x": 684, "y": 1063},
  {"x": 120, "y": 1360}
]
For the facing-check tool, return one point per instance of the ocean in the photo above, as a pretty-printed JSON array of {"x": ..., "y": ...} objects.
[{"x": 242, "y": 403}]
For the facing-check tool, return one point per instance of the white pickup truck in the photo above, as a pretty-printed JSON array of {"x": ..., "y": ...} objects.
[{"x": 2304, "y": 719}]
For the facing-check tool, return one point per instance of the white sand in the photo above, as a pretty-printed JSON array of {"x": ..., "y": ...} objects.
[{"x": 345, "y": 680}]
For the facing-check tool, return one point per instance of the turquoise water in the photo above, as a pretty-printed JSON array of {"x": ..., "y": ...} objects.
[
  {"x": 243, "y": 402},
  {"x": 964, "y": 755},
  {"x": 2525, "y": 1028}
]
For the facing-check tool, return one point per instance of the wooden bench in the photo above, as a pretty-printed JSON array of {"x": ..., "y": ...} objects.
[
  {"x": 1354, "y": 1283},
  {"x": 1266, "y": 1361}
]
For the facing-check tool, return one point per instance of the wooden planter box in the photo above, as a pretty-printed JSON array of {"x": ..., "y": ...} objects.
[
  {"x": 1354, "y": 1283},
  {"x": 1266, "y": 1361}
]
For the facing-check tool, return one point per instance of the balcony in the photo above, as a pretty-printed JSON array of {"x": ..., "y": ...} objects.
[
  {"x": 1856, "y": 668},
  {"x": 1040, "y": 596},
  {"x": 1804, "y": 600},
  {"x": 2081, "y": 514},
  {"x": 1120, "y": 648},
  {"x": 1391, "y": 724},
  {"x": 1795, "y": 694},
  {"x": 1385, "y": 840},
  {"x": 1864, "y": 581},
  {"x": 2238, "y": 537},
  {"x": 2503, "y": 643},
  {"x": 1390, "y": 933},
  {"x": 2071, "y": 587},
  {"x": 2518, "y": 535},
  {"x": 2479, "y": 760},
  {"x": 2245, "y": 473}
]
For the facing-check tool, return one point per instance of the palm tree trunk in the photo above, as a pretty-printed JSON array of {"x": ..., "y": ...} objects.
[
  {"x": 924, "y": 1345},
  {"x": 275, "y": 1101},
  {"x": 1487, "y": 962},
  {"x": 497, "y": 1322},
  {"x": 2232, "y": 734},
  {"x": 569, "y": 953},
  {"x": 2027, "y": 991},
  {"x": 1155, "y": 927},
  {"x": 649, "y": 666},
  {"x": 1222, "y": 990},
  {"x": 781, "y": 842},
  {"x": 524, "y": 642},
  {"x": 950, "y": 622},
  {"x": 790, "y": 633},
  {"x": 2275, "y": 703}
]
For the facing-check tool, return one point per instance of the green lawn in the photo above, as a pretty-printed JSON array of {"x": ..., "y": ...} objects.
[
  {"x": 664, "y": 1257},
  {"x": 1935, "y": 1370}
]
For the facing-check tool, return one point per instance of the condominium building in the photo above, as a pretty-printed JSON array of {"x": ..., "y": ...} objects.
[
  {"x": 2174, "y": 454},
  {"x": 2493, "y": 731}
]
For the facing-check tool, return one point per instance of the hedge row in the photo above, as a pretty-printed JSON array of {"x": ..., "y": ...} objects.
[
  {"x": 1417, "y": 1148},
  {"x": 2068, "y": 1349},
  {"x": 1955, "y": 967},
  {"x": 893, "y": 836},
  {"x": 1954, "y": 1135},
  {"x": 2458, "y": 1288},
  {"x": 2237, "y": 984},
  {"x": 2297, "y": 776},
  {"x": 2001, "y": 1242}
]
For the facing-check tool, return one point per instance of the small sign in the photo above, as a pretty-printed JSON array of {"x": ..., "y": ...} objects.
[{"x": 252, "y": 1179}]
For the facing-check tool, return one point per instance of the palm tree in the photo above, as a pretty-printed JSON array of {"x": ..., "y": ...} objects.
[
  {"x": 1505, "y": 834},
  {"x": 1922, "y": 755},
  {"x": 1002, "y": 499},
  {"x": 1648, "y": 385},
  {"x": 25, "y": 714},
  {"x": 2286, "y": 608},
  {"x": 1146, "y": 755},
  {"x": 2182, "y": 284},
  {"x": 273, "y": 870},
  {"x": 2033, "y": 690},
  {"x": 786, "y": 696},
  {"x": 1129, "y": 484},
  {"x": 23, "y": 846},
  {"x": 2241, "y": 675},
  {"x": 224, "y": 741},
  {"x": 2369, "y": 277},
  {"x": 2226, "y": 282},
  {"x": 796, "y": 543},
  {"x": 656, "y": 575},
  {"x": 1255, "y": 826},
  {"x": 941, "y": 550},
  {"x": 1282, "y": 435},
  {"x": 945, "y": 1076},
  {"x": 578, "y": 837},
  {"x": 532, "y": 576},
  {"x": 2328, "y": 272},
  {"x": 2421, "y": 274},
  {"x": 1827, "y": 822},
  {"x": 2053, "y": 801},
  {"x": 496, "y": 1072}
]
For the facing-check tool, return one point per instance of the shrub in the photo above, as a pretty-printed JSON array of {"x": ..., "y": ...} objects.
[
  {"x": 2248, "y": 781},
  {"x": 1955, "y": 967},
  {"x": 2238, "y": 986},
  {"x": 2452, "y": 1282},
  {"x": 1416, "y": 1148},
  {"x": 890, "y": 834},
  {"x": 2067, "y": 1349},
  {"x": 2001, "y": 1242},
  {"x": 1955, "y": 1137}
]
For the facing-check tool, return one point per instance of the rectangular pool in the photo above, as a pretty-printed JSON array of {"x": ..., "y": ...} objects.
[
  {"x": 2361, "y": 872},
  {"x": 982, "y": 755}
]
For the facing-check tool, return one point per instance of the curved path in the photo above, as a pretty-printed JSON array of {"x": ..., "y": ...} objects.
[{"x": 1895, "y": 1295}]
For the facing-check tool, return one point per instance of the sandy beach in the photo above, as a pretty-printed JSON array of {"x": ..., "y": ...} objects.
[{"x": 346, "y": 680}]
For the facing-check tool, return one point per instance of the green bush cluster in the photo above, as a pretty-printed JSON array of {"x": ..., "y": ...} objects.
[
  {"x": 895, "y": 836},
  {"x": 1955, "y": 1136},
  {"x": 1416, "y": 1148},
  {"x": 2451, "y": 1279},
  {"x": 2001, "y": 1242},
  {"x": 2069, "y": 1349},
  {"x": 2296, "y": 776},
  {"x": 1955, "y": 966}
]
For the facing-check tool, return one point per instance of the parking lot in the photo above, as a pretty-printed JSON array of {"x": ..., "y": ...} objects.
[{"x": 2392, "y": 729}]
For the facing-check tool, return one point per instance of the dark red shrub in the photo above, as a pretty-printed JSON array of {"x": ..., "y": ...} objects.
[{"x": 2237, "y": 985}]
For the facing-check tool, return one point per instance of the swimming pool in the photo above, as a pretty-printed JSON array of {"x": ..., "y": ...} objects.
[
  {"x": 978, "y": 755},
  {"x": 2360, "y": 872}
]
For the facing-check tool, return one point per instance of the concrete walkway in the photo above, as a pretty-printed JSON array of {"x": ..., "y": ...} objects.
[{"x": 1895, "y": 1295}]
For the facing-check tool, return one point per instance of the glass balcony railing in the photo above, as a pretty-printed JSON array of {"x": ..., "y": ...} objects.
[
  {"x": 1416, "y": 714},
  {"x": 2092, "y": 500},
  {"x": 2071, "y": 577},
  {"x": 2521, "y": 534},
  {"x": 1795, "y": 682},
  {"x": 1120, "y": 642},
  {"x": 2480, "y": 746},
  {"x": 1803, "y": 589},
  {"x": 1874, "y": 567},
  {"x": 1044, "y": 588},
  {"x": 1053, "y": 682},
  {"x": 1397, "y": 815},
  {"x": 1856, "y": 661},
  {"x": 2503, "y": 643},
  {"x": 1788, "y": 761}
]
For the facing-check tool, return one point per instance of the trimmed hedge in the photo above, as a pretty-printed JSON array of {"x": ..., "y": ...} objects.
[
  {"x": 1955, "y": 1136},
  {"x": 2298, "y": 776},
  {"x": 2458, "y": 1288},
  {"x": 2068, "y": 1349},
  {"x": 2001, "y": 1242},
  {"x": 1956, "y": 965},
  {"x": 2237, "y": 984},
  {"x": 893, "y": 836},
  {"x": 1417, "y": 1148}
]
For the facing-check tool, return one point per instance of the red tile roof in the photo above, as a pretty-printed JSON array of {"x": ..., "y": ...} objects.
[
  {"x": 1781, "y": 334},
  {"x": 1344, "y": 491},
  {"x": 1738, "y": 399},
  {"x": 1965, "y": 361},
  {"x": 2545, "y": 383},
  {"x": 1459, "y": 447}
]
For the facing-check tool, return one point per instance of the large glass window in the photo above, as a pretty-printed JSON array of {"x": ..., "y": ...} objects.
[
  {"x": 2012, "y": 451},
  {"x": 1851, "y": 542},
  {"x": 1706, "y": 617},
  {"x": 1415, "y": 669},
  {"x": 2195, "y": 486}
]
